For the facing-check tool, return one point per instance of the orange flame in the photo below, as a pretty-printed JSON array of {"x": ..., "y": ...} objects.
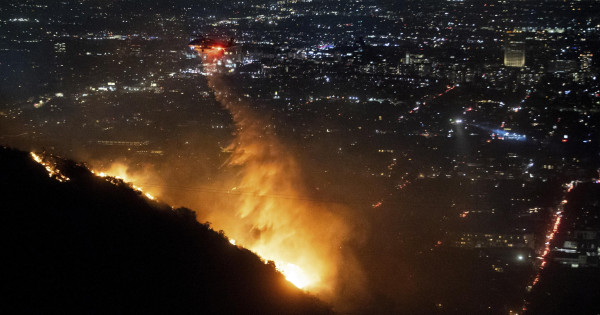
[
  {"x": 273, "y": 218},
  {"x": 265, "y": 208},
  {"x": 51, "y": 168},
  {"x": 123, "y": 172}
]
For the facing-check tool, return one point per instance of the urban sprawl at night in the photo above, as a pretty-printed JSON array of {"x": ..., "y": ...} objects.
[{"x": 387, "y": 157}]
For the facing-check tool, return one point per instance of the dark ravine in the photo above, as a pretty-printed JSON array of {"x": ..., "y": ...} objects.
[{"x": 88, "y": 246}]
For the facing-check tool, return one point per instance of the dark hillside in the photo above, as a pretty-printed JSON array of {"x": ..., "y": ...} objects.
[{"x": 87, "y": 246}]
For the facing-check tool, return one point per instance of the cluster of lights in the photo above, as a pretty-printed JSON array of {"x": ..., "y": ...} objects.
[
  {"x": 550, "y": 236},
  {"x": 377, "y": 204},
  {"x": 448, "y": 89}
]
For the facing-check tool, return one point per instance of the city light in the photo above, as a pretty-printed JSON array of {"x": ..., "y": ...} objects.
[{"x": 360, "y": 148}]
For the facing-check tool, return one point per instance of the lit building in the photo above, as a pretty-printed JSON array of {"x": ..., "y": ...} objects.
[
  {"x": 514, "y": 56},
  {"x": 514, "y": 50},
  {"x": 581, "y": 249},
  {"x": 585, "y": 61},
  {"x": 494, "y": 240}
]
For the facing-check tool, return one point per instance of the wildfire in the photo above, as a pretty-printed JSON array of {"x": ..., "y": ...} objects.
[
  {"x": 267, "y": 211},
  {"x": 53, "y": 172},
  {"x": 277, "y": 229},
  {"x": 120, "y": 173},
  {"x": 272, "y": 217},
  {"x": 292, "y": 272},
  {"x": 295, "y": 275}
]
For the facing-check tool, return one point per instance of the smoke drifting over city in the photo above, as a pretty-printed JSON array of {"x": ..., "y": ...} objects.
[
  {"x": 415, "y": 157},
  {"x": 260, "y": 199},
  {"x": 274, "y": 214}
]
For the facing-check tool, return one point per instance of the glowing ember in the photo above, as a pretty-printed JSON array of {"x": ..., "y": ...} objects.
[
  {"x": 53, "y": 172},
  {"x": 122, "y": 176},
  {"x": 36, "y": 158}
]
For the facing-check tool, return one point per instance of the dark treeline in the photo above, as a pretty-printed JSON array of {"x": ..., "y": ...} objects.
[{"x": 90, "y": 247}]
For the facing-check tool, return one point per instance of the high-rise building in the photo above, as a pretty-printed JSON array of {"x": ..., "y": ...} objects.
[
  {"x": 60, "y": 47},
  {"x": 514, "y": 56},
  {"x": 585, "y": 61},
  {"x": 514, "y": 50}
]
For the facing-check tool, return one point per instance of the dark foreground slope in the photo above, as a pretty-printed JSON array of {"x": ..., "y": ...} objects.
[{"x": 87, "y": 246}]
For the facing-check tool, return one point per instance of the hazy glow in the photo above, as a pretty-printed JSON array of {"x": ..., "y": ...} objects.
[
  {"x": 267, "y": 209},
  {"x": 272, "y": 216},
  {"x": 296, "y": 275},
  {"x": 120, "y": 172}
]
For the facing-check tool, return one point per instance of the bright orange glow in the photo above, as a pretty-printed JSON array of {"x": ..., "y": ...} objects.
[
  {"x": 272, "y": 215},
  {"x": 296, "y": 275},
  {"x": 53, "y": 172},
  {"x": 120, "y": 172},
  {"x": 262, "y": 204},
  {"x": 301, "y": 237}
]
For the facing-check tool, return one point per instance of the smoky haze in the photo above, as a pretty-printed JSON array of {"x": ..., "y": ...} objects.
[
  {"x": 289, "y": 204},
  {"x": 261, "y": 197},
  {"x": 275, "y": 215}
]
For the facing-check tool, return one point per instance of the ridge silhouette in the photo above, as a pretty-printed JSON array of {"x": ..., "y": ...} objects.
[{"x": 87, "y": 246}]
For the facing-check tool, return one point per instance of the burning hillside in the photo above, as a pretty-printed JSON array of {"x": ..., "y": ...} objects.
[{"x": 92, "y": 243}]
